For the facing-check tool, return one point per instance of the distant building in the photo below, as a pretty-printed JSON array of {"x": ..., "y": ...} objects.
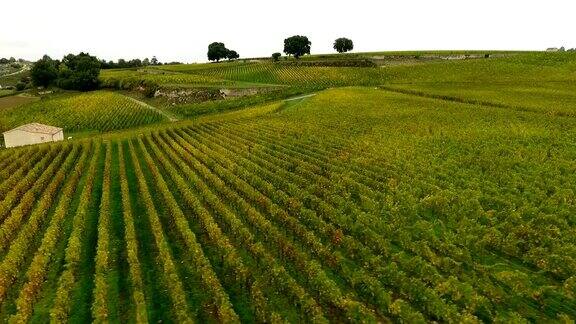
[
  {"x": 552, "y": 49},
  {"x": 32, "y": 133}
]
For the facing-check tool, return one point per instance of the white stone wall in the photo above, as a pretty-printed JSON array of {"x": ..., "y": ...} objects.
[
  {"x": 58, "y": 136},
  {"x": 19, "y": 138}
]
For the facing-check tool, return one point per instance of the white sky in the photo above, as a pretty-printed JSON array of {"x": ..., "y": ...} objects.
[{"x": 182, "y": 29}]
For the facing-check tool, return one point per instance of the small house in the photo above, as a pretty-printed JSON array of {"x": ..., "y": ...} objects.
[{"x": 33, "y": 133}]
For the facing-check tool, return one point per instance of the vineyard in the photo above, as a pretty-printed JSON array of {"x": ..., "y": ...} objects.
[
  {"x": 438, "y": 192},
  {"x": 126, "y": 79},
  {"x": 385, "y": 207},
  {"x": 557, "y": 98},
  {"x": 97, "y": 111},
  {"x": 528, "y": 68},
  {"x": 303, "y": 76}
]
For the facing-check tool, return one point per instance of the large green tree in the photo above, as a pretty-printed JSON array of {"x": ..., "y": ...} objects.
[
  {"x": 44, "y": 72},
  {"x": 297, "y": 46},
  {"x": 217, "y": 51},
  {"x": 79, "y": 72},
  {"x": 343, "y": 44},
  {"x": 232, "y": 55}
]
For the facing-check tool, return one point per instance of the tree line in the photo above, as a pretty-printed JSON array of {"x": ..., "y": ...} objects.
[
  {"x": 80, "y": 72},
  {"x": 133, "y": 63},
  {"x": 73, "y": 72},
  {"x": 123, "y": 64},
  {"x": 4, "y": 60},
  {"x": 296, "y": 46}
]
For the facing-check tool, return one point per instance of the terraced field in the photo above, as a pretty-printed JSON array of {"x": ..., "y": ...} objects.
[
  {"x": 534, "y": 68},
  {"x": 301, "y": 75},
  {"x": 126, "y": 79},
  {"x": 384, "y": 207}
]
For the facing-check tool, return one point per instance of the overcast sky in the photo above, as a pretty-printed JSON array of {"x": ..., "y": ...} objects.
[{"x": 182, "y": 29}]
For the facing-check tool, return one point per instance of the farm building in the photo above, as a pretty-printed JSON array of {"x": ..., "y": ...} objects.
[{"x": 32, "y": 133}]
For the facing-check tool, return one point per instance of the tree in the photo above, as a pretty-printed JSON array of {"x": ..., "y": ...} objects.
[
  {"x": 12, "y": 60},
  {"x": 20, "y": 86},
  {"x": 154, "y": 60},
  {"x": 276, "y": 56},
  {"x": 135, "y": 63},
  {"x": 4, "y": 60},
  {"x": 342, "y": 45},
  {"x": 150, "y": 88},
  {"x": 122, "y": 63},
  {"x": 44, "y": 72},
  {"x": 79, "y": 72},
  {"x": 217, "y": 51},
  {"x": 297, "y": 46},
  {"x": 232, "y": 55},
  {"x": 105, "y": 65}
]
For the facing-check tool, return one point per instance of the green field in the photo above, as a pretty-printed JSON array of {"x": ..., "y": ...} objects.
[
  {"x": 4, "y": 93},
  {"x": 9, "y": 76},
  {"x": 96, "y": 111},
  {"x": 127, "y": 78},
  {"x": 443, "y": 191}
]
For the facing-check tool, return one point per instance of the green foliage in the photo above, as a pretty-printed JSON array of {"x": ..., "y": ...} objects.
[
  {"x": 44, "y": 72},
  {"x": 100, "y": 308},
  {"x": 95, "y": 111},
  {"x": 342, "y": 45},
  {"x": 20, "y": 86},
  {"x": 550, "y": 97},
  {"x": 232, "y": 55},
  {"x": 75, "y": 72},
  {"x": 150, "y": 89},
  {"x": 297, "y": 46},
  {"x": 444, "y": 192},
  {"x": 132, "y": 80},
  {"x": 79, "y": 72},
  {"x": 217, "y": 51},
  {"x": 123, "y": 64},
  {"x": 276, "y": 56},
  {"x": 352, "y": 62},
  {"x": 132, "y": 244},
  {"x": 296, "y": 75}
]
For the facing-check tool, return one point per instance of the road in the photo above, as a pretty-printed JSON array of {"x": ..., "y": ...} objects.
[
  {"x": 25, "y": 68},
  {"x": 301, "y": 97},
  {"x": 160, "y": 111}
]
